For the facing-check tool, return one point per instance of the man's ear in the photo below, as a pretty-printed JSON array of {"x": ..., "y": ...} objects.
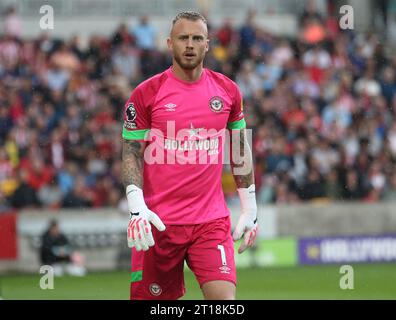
[{"x": 169, "y": 43}]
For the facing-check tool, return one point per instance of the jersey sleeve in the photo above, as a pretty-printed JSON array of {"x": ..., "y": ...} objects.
[
  {"x": 136, "y": 118},
  {"x": 236, "y": 120}
]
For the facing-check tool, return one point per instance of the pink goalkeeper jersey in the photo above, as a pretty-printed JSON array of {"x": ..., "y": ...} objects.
[{"x": 184, "y": 125}]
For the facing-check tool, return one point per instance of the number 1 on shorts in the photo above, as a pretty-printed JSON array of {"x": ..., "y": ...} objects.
[{"x": 222, "y": 254}]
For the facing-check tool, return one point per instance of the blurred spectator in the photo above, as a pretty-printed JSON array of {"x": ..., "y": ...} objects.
[
  {"x": 310, "y": 13},
  {"x": 24, "y": 196},
  {"x": 144, "y": 33},
  {"x": 300, "y": 167},
  {"x": 392, "y": 138},
  {"x": 67, "y": 176},
  {"x": 247, "y": 34},
  {"x": 282, "y": 54},
  {"x": 248, "y": 81},
  {"x": 126, "y": 60},
  {"x": 38, "y": 172},
  {"x": 226, "y": 33},
  {"x": 376, "y": 178},
  {"x": 368, "y": 85},
  {"x": 333, "y": 188},
  {"x": 50, "y": 195},
  {"x": 390, "y": 191},
  {"x": 282, "y": 193},
  {"x": 313, "y": 187},
  {"x": 65, "y": 59},
  {"x": 56, "y": 149},
  {"x": 305, "y": 86},
  {"x": 122, "y": 36},
  {"x": 79, "y": 196},
  {"x": 75, "y": 48},
  {"x": 57, "y": 78},
  {"x": 388, "y": 83},
  {"x": 325, "y": 156},
  {"x": 269, "y": 71},
  {"x": 277, "y": 158},
  {"x": 8, "y": 182},
  {"x": 353, "y": 190},
  {"x": 6, "y": 123},
  {"x": 12, "y": 23}
]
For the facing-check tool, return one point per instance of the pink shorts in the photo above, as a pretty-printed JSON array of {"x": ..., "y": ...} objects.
[{"x": 207, "y": 248}]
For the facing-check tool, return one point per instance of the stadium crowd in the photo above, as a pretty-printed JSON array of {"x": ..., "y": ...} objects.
[{"x": 322, "y": 107}]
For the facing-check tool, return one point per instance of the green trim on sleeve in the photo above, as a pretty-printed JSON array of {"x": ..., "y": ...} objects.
[
  {"x": 137, "y": 276},
  {"x": 237, "y": 125},
  {"x": 135, "y": 134}
]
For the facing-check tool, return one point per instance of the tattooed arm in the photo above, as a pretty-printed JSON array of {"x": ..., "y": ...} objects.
[
  {"x": 241, "y": 159},
  {"x": 139, "y": 234},
  {"x": 132, "y": 162}
]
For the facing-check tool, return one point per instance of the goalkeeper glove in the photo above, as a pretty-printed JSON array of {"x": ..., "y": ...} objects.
[
  {"x": 247, "y": 223},
  {"x": 139, "y": 233}
]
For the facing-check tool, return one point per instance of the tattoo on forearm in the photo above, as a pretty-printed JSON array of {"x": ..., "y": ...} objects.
[
  {"x": 241, "y": 160},
  {"x": 132, "y": 163}
]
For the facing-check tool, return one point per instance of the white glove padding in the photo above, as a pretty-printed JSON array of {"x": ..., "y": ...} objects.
[
  {"x": 139, "y": 233},
  {"x": 247, "y": 223}
]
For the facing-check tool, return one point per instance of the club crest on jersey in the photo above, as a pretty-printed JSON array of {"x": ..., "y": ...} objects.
[
  {"x": 216, "y": 104},
  {"x": 155, "y": 289},
  {"x": 130, "y": 112}
]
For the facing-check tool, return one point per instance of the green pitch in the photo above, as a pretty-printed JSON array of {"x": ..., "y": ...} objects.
[{"x": 371, "y": 281}]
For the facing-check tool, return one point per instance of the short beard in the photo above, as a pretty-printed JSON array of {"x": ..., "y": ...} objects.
[{"x": 186, "y": 65}]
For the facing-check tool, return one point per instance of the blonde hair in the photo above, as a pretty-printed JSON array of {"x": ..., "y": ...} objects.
[{"x": 189, "y": 15}]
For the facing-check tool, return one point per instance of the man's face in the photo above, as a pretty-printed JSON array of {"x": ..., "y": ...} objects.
[
  {"x": 55, "y": 230},
  {"x": 188, "y": 43}
]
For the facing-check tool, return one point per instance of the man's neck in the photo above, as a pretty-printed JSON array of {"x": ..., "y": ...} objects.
[{"x": 190, "y": 75}]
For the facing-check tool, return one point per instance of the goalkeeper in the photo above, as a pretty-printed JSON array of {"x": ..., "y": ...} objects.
[{"x": 173, "y": 181}]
